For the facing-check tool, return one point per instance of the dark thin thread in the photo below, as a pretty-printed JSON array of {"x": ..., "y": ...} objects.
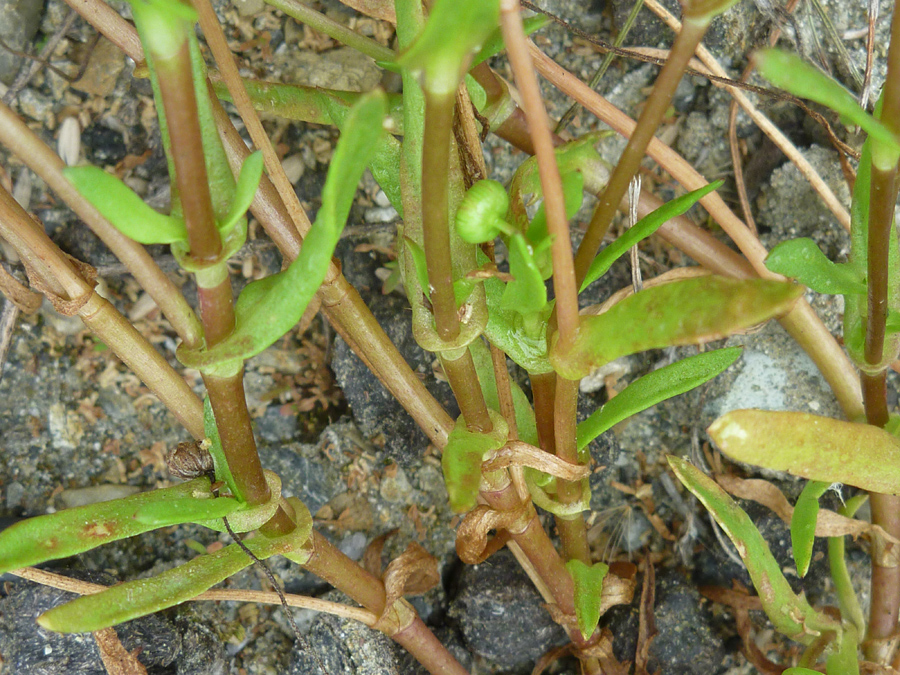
[
  {"x": 304, "y": 645},
  {"x": 761, "y": 91}
]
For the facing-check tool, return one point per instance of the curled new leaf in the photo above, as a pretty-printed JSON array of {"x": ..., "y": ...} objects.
[
  {"x": 588, "y": 582},
  {"x": 643, "y": 229},
  {"x": 802, "y": 260},
  {"x": 79, "y": 529},
  {"x": 479, "y": 217},
  {"x": 803, "y": 524},
  {"x": 655, "y": 387},
  {"x": 790, "y": 613},
  {"x": 526, "y": 293},
  {"x": 684, "y": 312},
  {"x": 812, "y": 447}
]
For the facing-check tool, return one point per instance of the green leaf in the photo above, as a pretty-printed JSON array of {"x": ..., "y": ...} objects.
[
  {"x": 802, "y": 260},
  {"x": 643, "y": 229},
  {"x": 484, "y": 366},
  {"x": 123, "y": 208},
  {"x": 268, "y": 308},
  {"x": 186, "y": 511},
  {"x": 462, "y": 458},
  {"x": 479, "y": 217},
  {"x": 244, "y": 192},
  {"x": 59, "y": 535},
  {"x": 803, "y": 524},
  {"x": 220, "y": 462},
  {"x": 588, "y": 583},
  {"x": 797, "y": 670},
  {"x": 141, "y": 597},
  {"x": 684, "y": 312},
  {"x": 812, "y": 447},
  {"x": 494, "y": 44},
  {"x": 791, "y": 73},
  {"x": 655, "y": 387},
  {"x": 506, "y": 328},
  {"x": 843, "y": 659},
  {"x": 417, "y": 254},
  {"x": 444, "y": 61},
  {"x": 791, "y": 614},
  {"x": 526, "y": 293}
]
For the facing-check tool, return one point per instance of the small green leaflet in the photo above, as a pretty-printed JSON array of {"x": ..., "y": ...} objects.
[
  {"x": 643, "y": 229},
  {"x": 803, "y": 524},
  {"x": 220, "y": 462},
  {"x": 588, "y": 583},
  {"x": 494, "y": 44},
  {"x": 655, "y": 387},
  {"x": 462, "y": 458},
  {"x": 802, "y": 260}
]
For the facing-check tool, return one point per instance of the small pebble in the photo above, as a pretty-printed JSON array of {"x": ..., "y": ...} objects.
[
  {"x": 294, "y": 167},
  {"x": 68, "y": 146}
]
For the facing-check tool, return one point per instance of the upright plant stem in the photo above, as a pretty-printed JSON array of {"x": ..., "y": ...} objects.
[
  {"x": 686, "y": 42},
  {"x": 572, "y": 531},
  {"x": 564, "y": 287},
  {"x": 435, "y": 216},
  {"x": 885, "y": 593}
]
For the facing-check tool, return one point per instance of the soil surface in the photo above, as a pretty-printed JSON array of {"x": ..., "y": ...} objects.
[{"x": 78, "y": 427}]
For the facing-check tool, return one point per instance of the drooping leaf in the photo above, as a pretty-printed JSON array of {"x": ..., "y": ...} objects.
[
  {"x": 684, "y": 312},
  {"x": 802, "y": 260},
  {"x": 268, "y": 308},
  {"x": 244, "y": 191},
  {"x": 791, "y": 73},
  {"x": 812, "y": 447},
  {"x": 65, "y": 533},
  {"x": 588, "y": 582},
  {"x": 185, "y": 510},
  {"x": 526, "y": 293},
  {"x": 790, "y": 613},
  {"x": 643, "y": 229},
  {"x": 444, "y": 61},
  {"x": 462, "y": 458},
  {"x": 654, "y": 388},
  {"x": 141, "y": 597},
  {"x": 123, "y": 208},
  {"x": 803, "y": 524}
]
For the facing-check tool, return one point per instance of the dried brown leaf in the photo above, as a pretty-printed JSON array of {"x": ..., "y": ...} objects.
[
  {"x": 371, "y": 559},
  {"x": 646, "y": 624},
  {"x": 519, "y": 453}
]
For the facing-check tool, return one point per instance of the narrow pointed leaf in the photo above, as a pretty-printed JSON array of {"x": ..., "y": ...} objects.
[
  {"x": 791, "y": 73},
  {"x": 123, "y": 208},
  {"x": 245, "y": 190},
  {"x": 802, "y": 260},
  {"x": 268, "y": 308},
  {"x": 643, "y": 229},
  {"x": 494, "y": 44},
  {"x": 588, "y": 582},
  {"x": 65, "y": 533},
  {"x": 803, "y": 524},
  {"x": 790, "y": 613},
  {"x": 685, "y": 312},
  {"x": 812, "y": 447},
  {"x": 417, "y": 254},
  {"x": 141, "y": 597},
  {"x": 655, "y": 387}
]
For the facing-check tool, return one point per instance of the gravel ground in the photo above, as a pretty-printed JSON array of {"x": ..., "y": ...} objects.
[{"x": 78, "y": 426}]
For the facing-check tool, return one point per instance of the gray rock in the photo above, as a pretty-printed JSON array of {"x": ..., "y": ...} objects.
[
  {"x": 19, "y": 22},
  {"x": 26, "y": 649},
  {"x": 686, "y": 642},
  {"x": 501, "y": 615},
  {"x": 344, "y": 647}
]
